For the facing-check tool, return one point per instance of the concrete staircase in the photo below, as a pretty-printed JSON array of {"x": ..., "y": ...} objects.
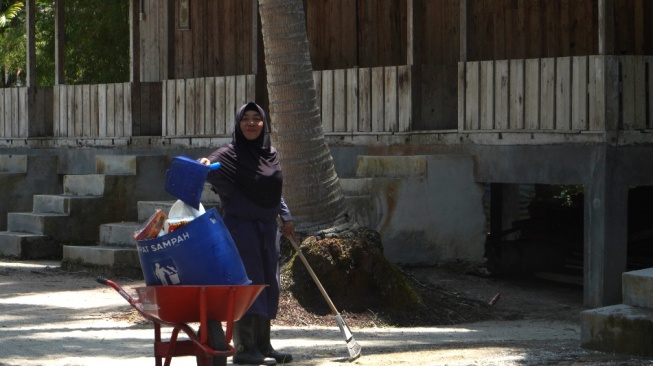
[
  {"x": 88, "y": 201},
  {"x": 624, "y": 328},
  {"x": 116, "y": 253}
]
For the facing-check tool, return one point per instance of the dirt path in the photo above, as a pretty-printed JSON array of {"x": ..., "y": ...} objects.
[{"x": 52, "y": 318}]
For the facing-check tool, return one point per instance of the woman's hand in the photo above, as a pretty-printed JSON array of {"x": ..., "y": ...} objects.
[
  {"x": 205, "y": 161},
  {"x": 288, "y": 230}
]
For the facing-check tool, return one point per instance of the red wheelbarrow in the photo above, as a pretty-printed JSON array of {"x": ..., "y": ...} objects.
[{"x": 175, "y": 306}]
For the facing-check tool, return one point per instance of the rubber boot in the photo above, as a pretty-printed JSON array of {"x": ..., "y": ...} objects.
[
  {"x": 245, "y": 336},
  {"x": 264, "y": 345}
]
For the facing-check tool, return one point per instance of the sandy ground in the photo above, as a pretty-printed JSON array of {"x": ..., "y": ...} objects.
[{"x": 52, "y": 318}]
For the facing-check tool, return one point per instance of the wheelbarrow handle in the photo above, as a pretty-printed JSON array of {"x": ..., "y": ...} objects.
[{"x": 123, "y": 293}]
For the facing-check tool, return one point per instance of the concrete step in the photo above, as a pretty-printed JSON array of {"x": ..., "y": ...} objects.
[
  {"x": 34, "y": 223},
  {"x": 25, "y": 245},
  {"x": 102, "y": 255},
  {"x": 637, "y": 288},
  {"x": 413, "y": 166},
  {"x": 119, "y": 164},
  {"x": 84, "y": 185},
  {"x": 50, "y": 203},
  {"x": 63, "y": 204},
  {"x": 63, "y": 218},
  {"x": 119, "y": 234},
  {"x": 619, "y": 328}
]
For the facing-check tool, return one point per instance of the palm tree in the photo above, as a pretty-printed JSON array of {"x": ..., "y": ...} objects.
[
  {"x": 311, "y": 186},
  {"x": 7, "y": 15}
]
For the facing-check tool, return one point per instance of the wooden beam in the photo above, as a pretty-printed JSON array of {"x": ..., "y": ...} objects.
[
  {"x": 463, "y": 30},
  {"x": 59, "y": 42},
  {"x": 606, "y": 27},
  {"x": 31, "y": 44}
]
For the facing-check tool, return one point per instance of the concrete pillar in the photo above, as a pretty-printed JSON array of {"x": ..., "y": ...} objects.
[{"x": 606, "y": 231}]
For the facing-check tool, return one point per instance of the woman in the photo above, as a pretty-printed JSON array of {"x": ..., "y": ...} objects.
[{"x": 249, "y": 184}]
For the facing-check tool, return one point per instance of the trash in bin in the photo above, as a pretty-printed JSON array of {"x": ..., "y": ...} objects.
[
  {"x": 152, "y": 227},
  {"x": 181, "y": 214}
]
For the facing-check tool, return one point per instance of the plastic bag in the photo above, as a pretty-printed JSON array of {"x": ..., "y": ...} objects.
[
  {"x": 152, "y": 226},
  {"x": 181, "y": 214}
]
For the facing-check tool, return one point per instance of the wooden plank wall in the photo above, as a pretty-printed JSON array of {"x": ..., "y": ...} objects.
[
  {"x": 204, "y": 106},
  {"x": 554, "y": 94},
  {"x": 359, "y": 100},
  {"x": 219, "y": 41},
  {"x": 633, "y": 27},
  {"x": 97, "y": 110},
  {"x": 637, "y": 97},
  {"x": 147, "y": 109},
  {"x": 524, "y": 29},
  {"x": 344, "y": 33},
  {"x": 440, "y": 53},
  {"x": 154, "y": 40},
  {"x": 532, "y": 94},
  {"x": 13, "y": 115}
]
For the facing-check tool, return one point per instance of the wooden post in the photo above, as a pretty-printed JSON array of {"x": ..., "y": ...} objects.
[
  {"x": 414, "y": 59},
  {"x": 59, "y": 43},
  {"x": 172, "y": 29},
  {"x": 31, "y": 44},
  {"x": 414, "y": 41},
  {"x": 135, "y": 41},
  {"x": 254, "y": 45}
]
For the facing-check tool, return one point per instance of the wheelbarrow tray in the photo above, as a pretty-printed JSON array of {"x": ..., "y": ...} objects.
[{"x": 184, "y": 304}]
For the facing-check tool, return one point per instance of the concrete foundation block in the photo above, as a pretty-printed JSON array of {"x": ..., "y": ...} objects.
[
  {"x": 619, "y": 328},
  {"x": 638, "y": 288}
]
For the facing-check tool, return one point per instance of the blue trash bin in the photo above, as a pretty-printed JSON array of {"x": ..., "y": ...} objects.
[
  {"x": 185, "y": 179},
  {"x": 201, "y": 252}
]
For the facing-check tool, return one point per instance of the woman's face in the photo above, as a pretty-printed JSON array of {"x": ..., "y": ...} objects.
[{"x": 251, "y": 125}]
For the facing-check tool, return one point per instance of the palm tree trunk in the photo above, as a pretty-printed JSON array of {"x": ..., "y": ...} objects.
[{"x": 311, "y": 186}]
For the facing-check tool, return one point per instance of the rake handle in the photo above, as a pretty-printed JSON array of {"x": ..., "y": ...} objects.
[{"x": 310, "y": 271}]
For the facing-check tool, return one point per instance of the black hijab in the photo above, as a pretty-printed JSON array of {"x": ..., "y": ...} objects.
[{"x": 252, "y": 166}]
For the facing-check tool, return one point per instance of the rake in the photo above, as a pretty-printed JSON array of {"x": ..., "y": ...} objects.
[{"x": 352, "y": 346}]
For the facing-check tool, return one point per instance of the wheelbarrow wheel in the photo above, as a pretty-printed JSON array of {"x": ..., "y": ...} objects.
[{"x": 217, "y": 341}]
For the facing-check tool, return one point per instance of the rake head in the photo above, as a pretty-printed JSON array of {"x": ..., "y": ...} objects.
[{"x": 352, "y": 346}]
